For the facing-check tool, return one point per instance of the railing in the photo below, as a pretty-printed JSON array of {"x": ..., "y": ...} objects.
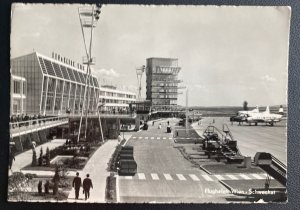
[
  {"x": 104, "y": 114},
  {"x": 35, "y": 122},
  {"x": 279, "y": 163}
]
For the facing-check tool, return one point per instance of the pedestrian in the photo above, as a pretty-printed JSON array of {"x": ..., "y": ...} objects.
[
  {"x": 87, "y": 185},
  {"x": 168, "y": 123},
  {"x": 11, "y": 159},
  {"x": 77, "y": 185},
  {"x": 153, "y": 123},
  {"x": 159, "y": 126},
  {"x": 119, "y": 138}
]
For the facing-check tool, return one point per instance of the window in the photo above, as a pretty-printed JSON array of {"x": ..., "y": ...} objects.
[{"x": 17, "y": 87}]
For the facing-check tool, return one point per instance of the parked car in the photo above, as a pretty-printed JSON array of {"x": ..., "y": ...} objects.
[
  {"x": 169, "y": 129},
  {"x": 127, "y": 167}
]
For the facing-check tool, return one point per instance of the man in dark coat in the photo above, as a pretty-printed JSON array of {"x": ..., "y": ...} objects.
[
  {"x": 87, "y": 185},
  {"x": 77, "y": 185},
  {"x": 11, "y": 159}
]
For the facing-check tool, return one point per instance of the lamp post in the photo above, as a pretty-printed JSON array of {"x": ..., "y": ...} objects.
[
  {"x": 139, "y": 74},
  {"x": 88, "y": 17},
  {"x": 186, "y": 109},
  {"x": 123, "y": 131},
  {"x": 101, "y": 131}
]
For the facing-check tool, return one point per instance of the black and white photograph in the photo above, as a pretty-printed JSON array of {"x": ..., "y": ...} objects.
[{"x": 151, "y": 104}]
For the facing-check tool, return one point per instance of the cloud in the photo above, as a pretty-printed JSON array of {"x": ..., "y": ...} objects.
[
  {"x": 108, "y": 73},
  {"x": 268, "y": 78}
]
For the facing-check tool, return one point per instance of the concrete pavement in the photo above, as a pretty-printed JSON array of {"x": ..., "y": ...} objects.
[
  {"x": 97, "y": 168},
  {"x": 252, "y": 139},
  {"x": 25, "y": 158},
  {"x": 163, "y": 175}
]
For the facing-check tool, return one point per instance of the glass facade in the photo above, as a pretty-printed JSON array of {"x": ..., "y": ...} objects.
[{"x": 54, "y": 87}]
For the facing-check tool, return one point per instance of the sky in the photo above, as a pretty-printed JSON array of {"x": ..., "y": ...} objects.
[{"x": 227, "y": 54}]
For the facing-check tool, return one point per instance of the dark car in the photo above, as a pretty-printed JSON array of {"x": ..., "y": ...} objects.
[
  {"x": 127, "y": 167},
  {"x": 145, "y": 127},
  {"x": 169, "y": 129}
]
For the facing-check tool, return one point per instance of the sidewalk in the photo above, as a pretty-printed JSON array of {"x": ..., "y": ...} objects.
[
  {"x": 96, "y": 167},
  {"x": 25, "y": 158}
]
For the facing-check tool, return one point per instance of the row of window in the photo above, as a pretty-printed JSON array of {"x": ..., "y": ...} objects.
[
  {"x": 120, "y": 95},
  {"x": 115, "y": 101}
]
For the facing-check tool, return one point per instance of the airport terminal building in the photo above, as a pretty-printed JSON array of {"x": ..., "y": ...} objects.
[
  {"x": 54, "y": 85},
  {"x": 114, "y": 100}
]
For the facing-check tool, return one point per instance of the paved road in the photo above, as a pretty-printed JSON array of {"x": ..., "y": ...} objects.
[
  {"x": 252, "y": 139},
  {"x": 164, "y": 175}
]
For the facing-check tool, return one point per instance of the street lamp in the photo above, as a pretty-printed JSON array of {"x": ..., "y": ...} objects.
[
  {"x": 99, "y": 106},
  {"x": 139, "y": 74},
  {"x": 88, "y": 17}
]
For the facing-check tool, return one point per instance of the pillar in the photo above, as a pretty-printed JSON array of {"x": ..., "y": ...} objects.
[{"x": 137, "y": 122}]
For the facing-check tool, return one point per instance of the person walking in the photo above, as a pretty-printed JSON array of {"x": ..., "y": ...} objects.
[
  {"x": 87, "y": 185},
  {"x": 77, "y": 185},
  {"x": 119, "y": 138},
  {"x": 11, "y": 159}
]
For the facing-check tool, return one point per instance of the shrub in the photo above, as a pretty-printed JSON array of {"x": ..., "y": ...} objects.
[
  {"x": 30, "y": 176},
  {"x": 17, "y": 186}
]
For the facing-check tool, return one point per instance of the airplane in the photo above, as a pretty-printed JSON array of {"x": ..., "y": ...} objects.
[
  {"x": 265, "y": 117},
  {"x": 242, "y": 115}
]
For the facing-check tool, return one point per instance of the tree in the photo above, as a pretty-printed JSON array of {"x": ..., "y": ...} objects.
[
  {"x": 245, "y": 105},
  {"x": 56, "y": 179},
  {"x": 41, "y": 157},
  {"x": 34, "y": 162},
  {"x": 47, "y": 157}
]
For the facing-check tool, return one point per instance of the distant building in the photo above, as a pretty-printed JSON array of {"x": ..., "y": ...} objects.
[
  {"x": 162, "y": 83},
  {"x": 115, "y": 101},
  {"x": 55, "y": 85},
  {"x": 17, "y": 95}
]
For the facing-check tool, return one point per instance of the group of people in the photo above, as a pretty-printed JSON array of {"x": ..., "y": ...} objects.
[
  {"x": 159, "y": 125},
  {"x": 86, "y": 185},
  {"x": 21, "y": 119},
  {"x": 117, "y": 111}
]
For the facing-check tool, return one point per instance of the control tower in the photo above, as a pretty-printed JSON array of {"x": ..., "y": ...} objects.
[{"x": 162, "y": 83}]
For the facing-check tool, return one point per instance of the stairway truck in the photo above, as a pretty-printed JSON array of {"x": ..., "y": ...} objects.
[
  {"x": 262, "y": 158},
  {"x": 127, "y": 167}
]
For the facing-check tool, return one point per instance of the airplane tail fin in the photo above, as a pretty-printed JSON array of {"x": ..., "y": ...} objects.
[
  {"x": 267, "y": 109},
  {"x": 281, "y": 110}
]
